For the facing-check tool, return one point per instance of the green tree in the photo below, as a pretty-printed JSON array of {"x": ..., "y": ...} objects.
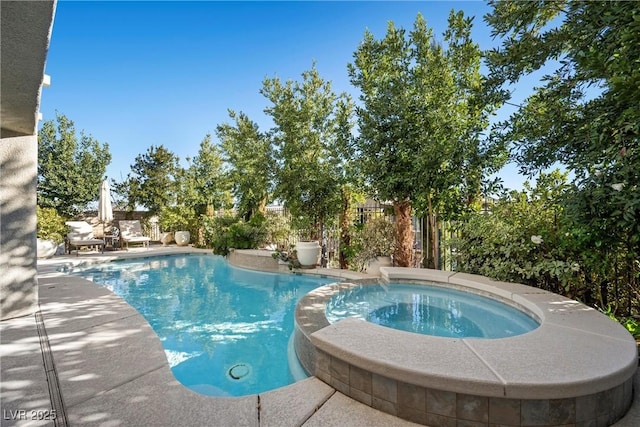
[
  {"x": 588, "y": 104},
  {"x": 348, "y": 173},
  {"x": 307, "y": 173},
  {"x": 152, "y": 180},
  {"x": 585, "y": 115},
  {"x": 204, "y": 184},
  {"x": 423, "y": 108},
  {"x": 248, "y": 153},
  {"x": 70, "y": 167}
]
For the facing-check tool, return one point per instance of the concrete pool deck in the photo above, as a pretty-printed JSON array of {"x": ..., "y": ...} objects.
[{"x": 103, "y": 361}]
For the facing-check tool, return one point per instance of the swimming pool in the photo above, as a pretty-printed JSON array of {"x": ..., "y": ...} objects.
[
  {"x": 430, "y": 310},
  {"x": 225, "y": 330}
]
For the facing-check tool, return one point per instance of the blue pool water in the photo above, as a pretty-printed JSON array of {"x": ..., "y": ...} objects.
[
  {"x": 226, "y": 331},
  {"x": 430, "y": 310}
]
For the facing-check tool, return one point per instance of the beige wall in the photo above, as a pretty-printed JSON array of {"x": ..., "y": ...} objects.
[
  {"x": 26, "y": 31},
  {"x": 18, "y": 170}
]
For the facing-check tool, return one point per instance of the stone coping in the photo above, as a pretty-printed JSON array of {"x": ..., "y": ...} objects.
[{"x": 576, "y": 350}]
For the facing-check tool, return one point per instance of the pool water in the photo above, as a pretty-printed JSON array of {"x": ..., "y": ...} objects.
[
  {"x": 430, "y": 310},
  {"x": 225, "y": 330}
]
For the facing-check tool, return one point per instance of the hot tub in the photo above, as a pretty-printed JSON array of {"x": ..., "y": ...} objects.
[{"x": 577, "y": 367}]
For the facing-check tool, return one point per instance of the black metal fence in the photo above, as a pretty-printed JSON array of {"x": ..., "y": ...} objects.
[{"x": 363, "y": 213}]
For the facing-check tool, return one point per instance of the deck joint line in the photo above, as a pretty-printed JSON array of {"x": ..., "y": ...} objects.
[
  {"x": 317, "y": 408},
  {"x": 55, "y": 394},
  {"x": 259, "y": 409},
  {"x": 485, "y": 363}
]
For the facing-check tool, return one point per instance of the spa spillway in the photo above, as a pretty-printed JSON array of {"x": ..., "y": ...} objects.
[{"x": 574, "y": 366}]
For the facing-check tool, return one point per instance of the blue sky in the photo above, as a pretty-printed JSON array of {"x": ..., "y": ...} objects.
[{"x": 136, "y": 74}]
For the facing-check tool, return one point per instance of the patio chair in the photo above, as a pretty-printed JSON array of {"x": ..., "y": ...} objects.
[
  {"x": 131, "y": 232},
  {"x": 81, "y": 234}
]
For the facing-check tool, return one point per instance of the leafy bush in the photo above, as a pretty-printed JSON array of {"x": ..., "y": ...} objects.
[
  {"x": 247, "y": 235},
  {"x": 290, "y": 257},
  {"x": 225, "y": 232},
  {"x": 544, "y": 237},
  {"x": 522, "y": 239},
  {"x": 369, "y": 241},
  {"x": 278, "y": 230},
  {"x": 50, "y": 225},
  {"x": 216, "y": 233},
  {"x": 178, "y": 218}
]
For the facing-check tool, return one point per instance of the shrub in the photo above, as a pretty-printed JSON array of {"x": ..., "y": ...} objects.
[
  {"x": 290, "y": 257},
  {"x": 522, "y": 239},
  {"x": 278, "y": 230},
  {"x": 50, "y": 225},
  {"x": 369, "y": 241},
  {"x": 225, "y": 232},
  {"x": 545, "y": 237},
  {"x": 178, "y": 218},
  {"x": 216, "y": 233}
]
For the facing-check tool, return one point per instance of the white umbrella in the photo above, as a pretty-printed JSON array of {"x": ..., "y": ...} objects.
[{"x": 105, "y": 211}]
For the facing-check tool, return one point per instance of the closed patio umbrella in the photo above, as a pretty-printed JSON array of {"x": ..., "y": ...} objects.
[{"x": 105, "y": 211}]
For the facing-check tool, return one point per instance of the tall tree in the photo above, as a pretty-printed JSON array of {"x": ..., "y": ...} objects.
[
  {"x": 70, "y": 167},
  {"x": 343, "y": 154},
  {"x": 249, "y": 154},
  {"x": 585, "y": 115},
  {"x": 204, "y": 182},
  {"x": 589, "y": 103},
  {"x": 306, "y": 177},
  {"x": 424, "y": 105},
  {"x": 152, "y": 180}
]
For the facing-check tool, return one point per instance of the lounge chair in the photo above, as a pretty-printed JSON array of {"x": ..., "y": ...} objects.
[
  {"x": 131, "y": 232},
  {"x": 81, "y": 234}
]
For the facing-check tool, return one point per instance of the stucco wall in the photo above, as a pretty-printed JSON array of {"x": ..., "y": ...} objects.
[{"x": 18, "y": 282}]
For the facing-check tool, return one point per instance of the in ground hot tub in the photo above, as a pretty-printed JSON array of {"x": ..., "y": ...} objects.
[
  {"x": 576, "y": 367},
  {"x": 431, "y": 309}
]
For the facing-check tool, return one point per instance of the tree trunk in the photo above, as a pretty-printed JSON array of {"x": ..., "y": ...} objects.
[
  {"x": 604, "y": 293},
  {"x": 262, "y": 205},
  {"x": 432, "y": 258},
  {"x": 345, "y": 236},
  {"x": 403, "y": 256}
]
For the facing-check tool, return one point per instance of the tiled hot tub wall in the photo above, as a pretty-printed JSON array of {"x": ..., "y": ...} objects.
[{"x": 444, "y": 408}]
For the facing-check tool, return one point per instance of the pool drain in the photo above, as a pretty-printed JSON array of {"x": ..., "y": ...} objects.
[{"x": 239, "y": 371}]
